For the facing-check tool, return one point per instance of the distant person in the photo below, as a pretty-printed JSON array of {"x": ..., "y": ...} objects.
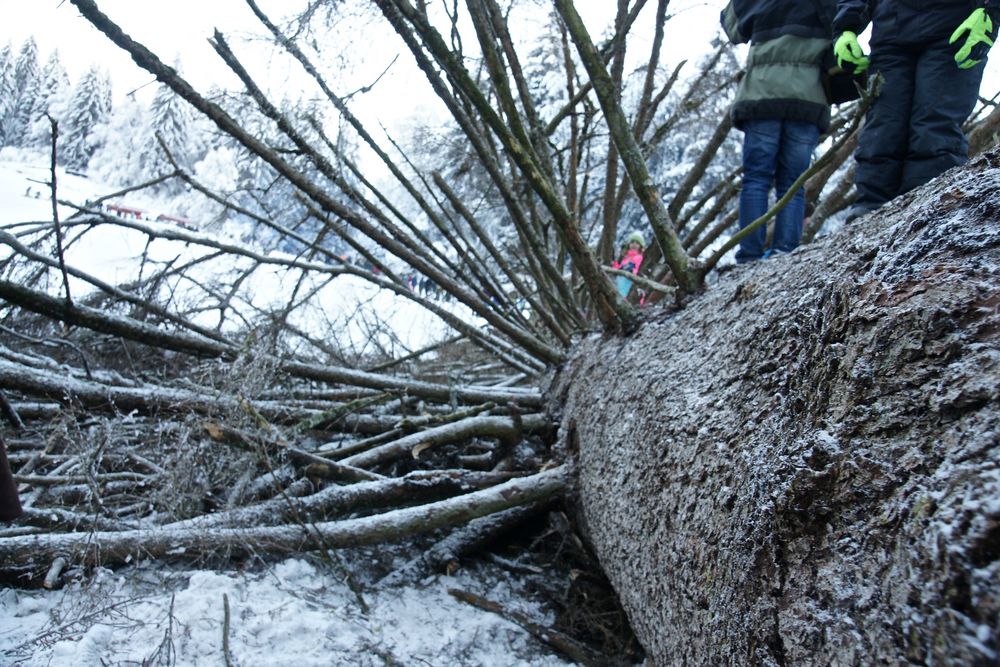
[
  {"x": 629, "y": 260},
  {"x": 931, "y": 56},
  {"x": 781, "y": 107}
]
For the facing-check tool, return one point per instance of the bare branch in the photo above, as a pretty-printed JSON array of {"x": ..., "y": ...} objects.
[{"x": 117, "y": 547}]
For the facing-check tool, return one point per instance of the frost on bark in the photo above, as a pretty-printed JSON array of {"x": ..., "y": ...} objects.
[{"x": 803, "y": 466}]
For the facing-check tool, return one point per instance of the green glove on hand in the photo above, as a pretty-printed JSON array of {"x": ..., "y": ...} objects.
[
  {"x": 850, "y": 57},
  {"x": 977, "y": 40}
]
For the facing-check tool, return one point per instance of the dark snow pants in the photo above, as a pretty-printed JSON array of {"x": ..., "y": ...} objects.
[{"x": 913, "y": 131}]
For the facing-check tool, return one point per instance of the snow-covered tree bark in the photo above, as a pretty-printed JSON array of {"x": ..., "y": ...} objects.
[{"x": 801, "y": 467}]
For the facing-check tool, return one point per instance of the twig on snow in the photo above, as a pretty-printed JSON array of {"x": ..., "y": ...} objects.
[{"x": 225, "y": 631}]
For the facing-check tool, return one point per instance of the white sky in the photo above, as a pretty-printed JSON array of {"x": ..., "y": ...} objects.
[
  {"x": 180, "y": 29},
  {"x": 169, "y": 28}
]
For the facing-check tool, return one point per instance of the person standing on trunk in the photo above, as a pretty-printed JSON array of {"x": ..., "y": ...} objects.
[
  {"x": 630, "y": 260},
  {"x": 781, "y": 106},
  {"x": 931, "y": 55}
]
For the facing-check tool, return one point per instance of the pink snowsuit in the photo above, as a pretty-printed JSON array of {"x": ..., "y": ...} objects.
[{"x": 630, "y": 261}]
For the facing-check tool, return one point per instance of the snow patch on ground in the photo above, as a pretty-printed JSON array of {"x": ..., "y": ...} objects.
[{"x": 294, "y": 613}]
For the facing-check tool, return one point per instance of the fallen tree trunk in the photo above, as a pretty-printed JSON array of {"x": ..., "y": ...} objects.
[
  {"x": 801, "y": 467},
  {"x": 417, "y": 487}
]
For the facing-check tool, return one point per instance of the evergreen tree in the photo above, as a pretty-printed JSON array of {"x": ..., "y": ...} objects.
[
  {"x": 119, "y": 144},
  {"x": 87, "y": 108},
  {"x": 105, "y": 90},
  {"x": 51, "y": 99},
  {"x": 26, "y": 86},
  {"x": 171, "y": 118},
  {"x": 6, "y": 89}
]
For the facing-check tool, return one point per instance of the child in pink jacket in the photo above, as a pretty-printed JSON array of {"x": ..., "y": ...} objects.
[{"x": 630, "y": 260}]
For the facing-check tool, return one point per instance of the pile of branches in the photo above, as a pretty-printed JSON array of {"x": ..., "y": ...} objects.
[
  {"x": 129, "y": 439},
  {"x": 135, "y": 434}
]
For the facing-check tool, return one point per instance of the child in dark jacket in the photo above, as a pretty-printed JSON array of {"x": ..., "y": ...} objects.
[{"x": 930, "y": 56}]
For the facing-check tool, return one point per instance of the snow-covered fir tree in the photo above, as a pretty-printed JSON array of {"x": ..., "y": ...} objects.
[
  {"x": 118, "y": 141},
  {"x": 172, "y": 120},
  {"x": 89, "y": 106},
  {"x": 26, "y": 87},
  {"x": 51, "y": 98},
  {"x": 6, "y": 88},
  {"x": 258, "y": 187}
]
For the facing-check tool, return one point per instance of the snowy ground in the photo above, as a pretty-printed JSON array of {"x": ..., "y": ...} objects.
[{"x": 292, "y": 613}]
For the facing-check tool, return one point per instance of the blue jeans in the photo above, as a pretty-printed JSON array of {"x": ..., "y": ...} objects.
[{"x": 775, "y": 153}]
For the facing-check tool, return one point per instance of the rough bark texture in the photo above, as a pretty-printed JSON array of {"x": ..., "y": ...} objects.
[{"x": 803, "y": 466}]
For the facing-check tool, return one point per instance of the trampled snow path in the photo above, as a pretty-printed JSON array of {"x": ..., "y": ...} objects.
[{"x": 293, "y": 614}]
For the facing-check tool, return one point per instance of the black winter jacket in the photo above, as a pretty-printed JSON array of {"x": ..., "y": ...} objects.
[
  {"x": 757, "y": 21},
  {"x": 908, "y": 22}
]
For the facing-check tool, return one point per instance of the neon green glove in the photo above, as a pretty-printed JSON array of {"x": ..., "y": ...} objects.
[
  {"x": 850, "y": 56},
  {"x": 977, "y": 29}
]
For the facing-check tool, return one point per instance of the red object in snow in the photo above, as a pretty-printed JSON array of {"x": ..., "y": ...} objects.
[{"x": 125, "y": 211}]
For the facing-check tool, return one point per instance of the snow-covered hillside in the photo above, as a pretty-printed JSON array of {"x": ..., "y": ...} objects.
[
  {"x": 24, "y": 191},
  {"x": 348, "y": 311}
]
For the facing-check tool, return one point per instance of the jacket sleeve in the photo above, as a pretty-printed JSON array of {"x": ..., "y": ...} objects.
[
  {"x": 731, "y": 24},
  {"x": 853, "y": 15},
  {"x": 827, "y": 10},
  {"x": 992, "y": 8}
]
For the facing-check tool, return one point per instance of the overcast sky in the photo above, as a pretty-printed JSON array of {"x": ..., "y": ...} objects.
[
  {"x": 172, "y": 28},
  {"x": 168, "y": 27},
  {"x": 179, "y": 29}
]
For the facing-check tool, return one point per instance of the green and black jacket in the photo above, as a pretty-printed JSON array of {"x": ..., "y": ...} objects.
[{"x": 789, "y": 42}]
